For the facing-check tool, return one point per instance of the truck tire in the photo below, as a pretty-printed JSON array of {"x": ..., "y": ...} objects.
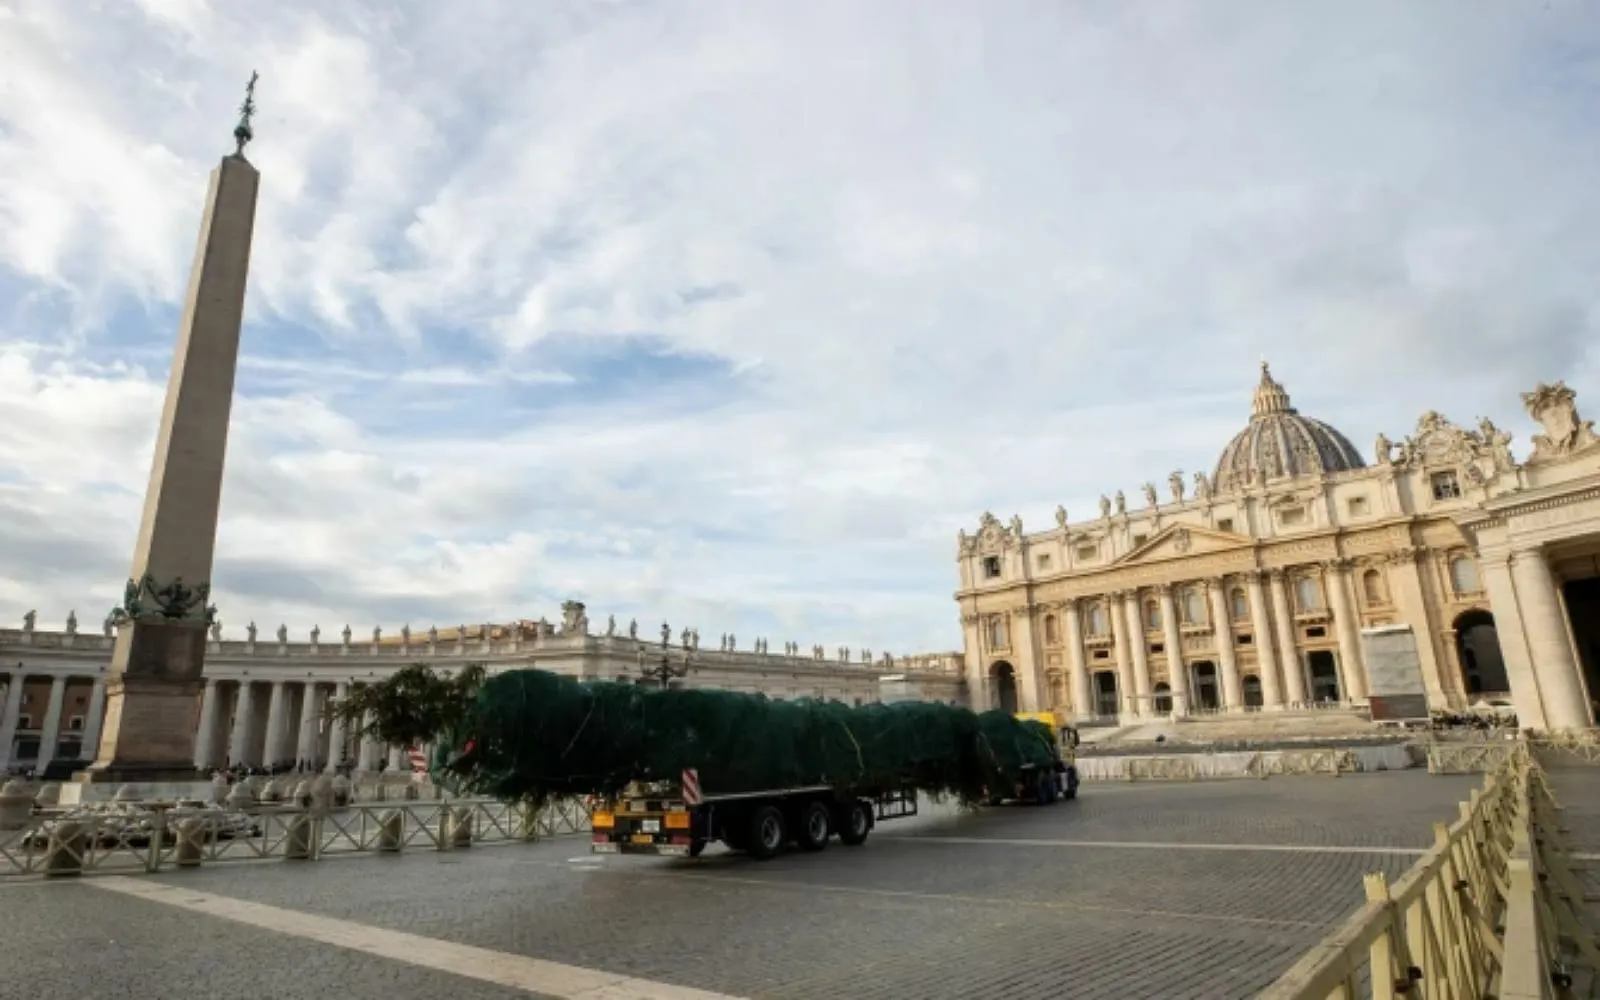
[
  {"x": 816, "y": 825},
  {"x": 854, "y": 822},
  {"x": 1044, "y": 788},
  {"x": 766, "y": 835}
]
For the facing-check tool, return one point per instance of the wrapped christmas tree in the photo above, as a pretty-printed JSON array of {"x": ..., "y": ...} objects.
[{"x": 532, "y": 735}]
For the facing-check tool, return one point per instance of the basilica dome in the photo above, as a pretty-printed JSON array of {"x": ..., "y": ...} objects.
[{"x": 1281, "y": 443}]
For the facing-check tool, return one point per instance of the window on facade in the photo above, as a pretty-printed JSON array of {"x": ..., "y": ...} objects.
[
  {"x": 991, "y": 566},
  {"x": 1052, "y": 629},
  {"x": 1088, "y": 553},
  {"x": 1445, "y": 485},
  {"x": 1194, "y": 606},
  {"x": 1239, "y": 604},
  {"x": 1226, "y": 524},
  {"x": 997, "y": 633},
  {"x": 1357, "y": 506},
  {"x": 1291, "y": 517},
  {"x": 1307, "y": 594},
  {"x": 1097, "y": 620},
  {"x": 24, "y": 722},
  {"x": 1372, "y": 586},
  {"x": 1464, "y": 575},
  {"x": 75, "y": 723},
  {"x": 1043, "y": 560},
  {"x": 1139, "y": 540},
  {"x": 1152, "y": 615}
]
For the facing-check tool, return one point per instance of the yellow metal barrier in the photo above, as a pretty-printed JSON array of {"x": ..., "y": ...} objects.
[{"x": 1493, "y": 909}]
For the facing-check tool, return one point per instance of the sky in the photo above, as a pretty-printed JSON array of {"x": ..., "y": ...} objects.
[{"x": 732, "y": 314}]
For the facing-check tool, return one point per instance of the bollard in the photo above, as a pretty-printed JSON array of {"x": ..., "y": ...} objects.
[
  {"x": 16, "y": 805},
  {"x": 303, "y": 797},
  {"x": 49, "y": 796},
  {"x": 67, "y": 850},
  {"x": 219, "y": 789},
  {"x": 191, "y": 845},
  {"x": 411, "y": 792},
  {"x": 272, "y": 791},
  {"x": 298, "y": 841},
  {"x": 461, "y": 827},
  {"x": 391, "y": 830},
  {"x": 322, "y": 794},
  {"x": 239, "y": 796},
  {"x": 341, "y": 791}
]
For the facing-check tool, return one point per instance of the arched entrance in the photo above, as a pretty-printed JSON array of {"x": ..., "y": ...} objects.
[
  {"x": 1003, "y": 687},
  {"x": 1162, "y": 698},
  {"x": 1483, "y": 671},
  {"x": 1251, "y": 685},
  {"x": 1105, "y": 694},
  {"x": 1207, "y": 694},
  {"x": 1324, "y": 670}
]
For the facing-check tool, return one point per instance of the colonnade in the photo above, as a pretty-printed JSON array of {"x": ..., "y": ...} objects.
[
  {"x": 292, "y": 730},
  {"x": 51, "y": 722}
]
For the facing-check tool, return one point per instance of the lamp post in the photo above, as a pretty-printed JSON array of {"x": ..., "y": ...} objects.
[{"x": 665, "y": 671}]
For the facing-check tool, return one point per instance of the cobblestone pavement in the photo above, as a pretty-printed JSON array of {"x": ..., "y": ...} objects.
[{"x": 1204, "y": 890}]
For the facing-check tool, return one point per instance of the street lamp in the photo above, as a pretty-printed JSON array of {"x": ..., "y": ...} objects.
[{"x": 664, "y": 672}]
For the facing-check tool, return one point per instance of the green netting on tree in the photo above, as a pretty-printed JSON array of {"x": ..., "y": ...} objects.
[{"x": 532, "y": 735}]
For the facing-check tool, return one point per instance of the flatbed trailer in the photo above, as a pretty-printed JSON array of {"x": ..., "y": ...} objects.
[{"x": 677, "y": 819}]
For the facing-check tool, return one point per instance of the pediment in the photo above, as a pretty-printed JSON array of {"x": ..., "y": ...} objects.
[{"x": 1185, "y": 541}]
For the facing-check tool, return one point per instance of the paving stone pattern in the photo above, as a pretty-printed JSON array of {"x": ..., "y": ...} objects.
[{"x": 908, "y": 915}]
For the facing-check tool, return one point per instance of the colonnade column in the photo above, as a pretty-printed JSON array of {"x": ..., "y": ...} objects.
[
  {"x": 272, "y": 746},
  {"x": 1294, "y": 668},
  {"x": 50, "y": 732},
  {"x": 1261, "y": 626},
  {"x": 1222, "y": 636},
  {"x": 1026, "y": 661},
  {"x": 92, "y": 719},
  {"x": 336, "y": 734},
  {"x": 1526, "y": 697},
  {"x": 1141, "y": 655},
  {"x": 396, "y": 756},
  {"x": 1347, "y": 628},
  {"x": 1177, "y": 670},
  {"x": 305, "y": 751},
  {"x": 1126, "y": 706},
  {"x": 1560, "y": 687},
  {"x": 239, "y": 739},
  {"x": 367, "y": 754},
  {"x": 1407, "y": 582},
  {"x": 206, "y": 739},
  {"x": 10, "y": 715},
  {"x": 1076, "y": 663}
]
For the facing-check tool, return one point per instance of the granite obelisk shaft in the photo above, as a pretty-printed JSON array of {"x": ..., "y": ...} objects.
[{"x": 153, "y": 687}]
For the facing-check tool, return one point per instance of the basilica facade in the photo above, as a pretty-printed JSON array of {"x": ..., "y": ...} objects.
[{"x": 1247, "y": 589}]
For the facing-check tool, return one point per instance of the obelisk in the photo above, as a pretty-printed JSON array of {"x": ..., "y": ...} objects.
[{"x": 154, "y": 682}]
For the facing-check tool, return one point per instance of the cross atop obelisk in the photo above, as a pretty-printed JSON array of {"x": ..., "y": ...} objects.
[{"x": 154, "y": 682}]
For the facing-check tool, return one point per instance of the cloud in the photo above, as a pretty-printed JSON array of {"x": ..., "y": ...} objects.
[{"x": 732, "y": 314}]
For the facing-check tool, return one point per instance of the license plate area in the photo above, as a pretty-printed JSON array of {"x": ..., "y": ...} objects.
[
  {"x": 643, "y": 838},
  {"x": 650, "y": 826}
]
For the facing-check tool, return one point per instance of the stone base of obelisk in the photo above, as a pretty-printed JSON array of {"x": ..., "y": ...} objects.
[{"x": 152, "y": 706}]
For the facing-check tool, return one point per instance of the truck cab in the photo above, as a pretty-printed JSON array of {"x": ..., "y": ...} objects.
[{"x": 1063, "y": 782}]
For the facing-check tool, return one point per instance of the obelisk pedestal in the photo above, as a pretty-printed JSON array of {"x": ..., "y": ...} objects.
[{"x": 154, "y": 684}]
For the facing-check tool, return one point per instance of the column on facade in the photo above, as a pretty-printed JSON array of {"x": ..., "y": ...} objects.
[
  {"x": 1077, "y": 664},
  {"x": 1545, "y": 628},
  {"x": 1026, "y": 668},
  {"x": 239, "y": 739},
  {"x": 1140, "y": 650},
  {"x": 396, "y": 757},
  {"x": 205, "y": 740},
  {"x": 1222, "y": 633},
  {"x": 272, "y": 747},
  {"x": 93, "y": 718},
  {"x": 1526, "y": 696},
  {"x": 336, "y": 735},
  {"x": 1348, "y": 630},
  {"x": 977, "y": 682},
  {"x": 1261, "y": 627},
  {"x": 1406, "y": 579},
  {"x": 1177, "y": 670},
  {"x": 1126, "y": 705},
  {"x": 50, "y": 732},
  {"x": 1294, "y": 668},
  {"x": 10, "y": 715}
]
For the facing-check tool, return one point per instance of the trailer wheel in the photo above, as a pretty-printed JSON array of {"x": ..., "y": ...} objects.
[
  {"x": 767, "y": 834},
  {"x": 816, "y": 825},
  {"x": 1044, "y": 788},
  {"x": 854, "y": 824}
]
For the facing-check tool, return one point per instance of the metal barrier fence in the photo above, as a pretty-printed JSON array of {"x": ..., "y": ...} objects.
[
  {"x": 156, "y": 836},
  {"x": 1474, "y": 757},
  {"x": 1493, "y": 909}
]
